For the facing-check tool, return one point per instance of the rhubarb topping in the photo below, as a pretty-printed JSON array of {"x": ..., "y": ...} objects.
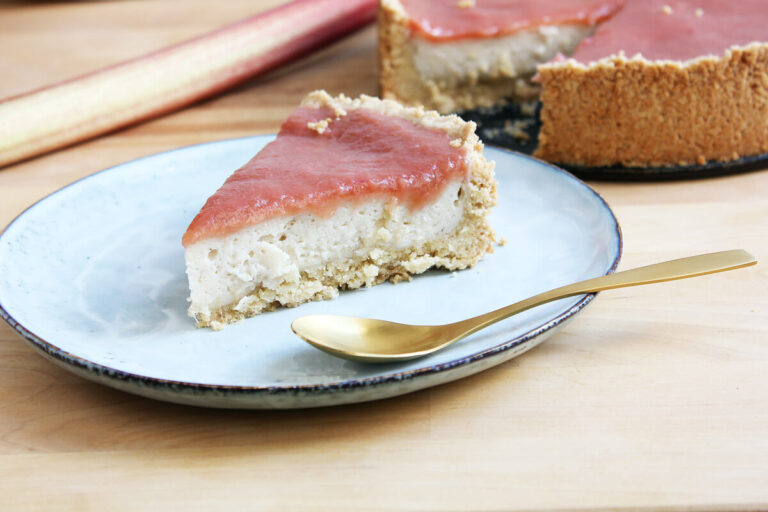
[
  {"x": 322, "y": 159},
  {"x": 448, "y": 20},
  {"x": 678, "y": 29}
]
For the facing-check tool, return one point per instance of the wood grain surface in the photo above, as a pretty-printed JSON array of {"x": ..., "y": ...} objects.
[{"x": 655, "y": 398}]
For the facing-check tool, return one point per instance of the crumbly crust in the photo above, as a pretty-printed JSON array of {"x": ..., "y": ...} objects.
[
  {"x": 399, "y": 80},
  {"x": 637, "y": 112},
  {"x": 472, "y": 238},
  {"x": 452, "y": 124}
]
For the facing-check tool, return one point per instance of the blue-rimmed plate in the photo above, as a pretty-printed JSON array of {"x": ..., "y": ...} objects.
[{"x": 93, "y": 278}]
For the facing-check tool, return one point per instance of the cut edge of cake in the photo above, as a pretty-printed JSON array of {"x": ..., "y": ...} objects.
[
  {"x": 214, "y": 263},
  {"x": 655, "y": 113},
  {"x": 495, "y": 70}
]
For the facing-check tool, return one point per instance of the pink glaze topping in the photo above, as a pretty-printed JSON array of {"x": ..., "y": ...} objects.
[
  {"x": 677, "y": 29},
  {"x": 359, "y": 156},
  {"x": 445, "y": 20}
]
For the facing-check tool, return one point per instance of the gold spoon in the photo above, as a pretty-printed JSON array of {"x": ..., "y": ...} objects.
[{"x": 379, "y": 341}]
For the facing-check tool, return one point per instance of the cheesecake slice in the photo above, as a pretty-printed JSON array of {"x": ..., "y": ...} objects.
[
  {"x": 451, "y": 55},
  {"x": 351, "y": 193}
]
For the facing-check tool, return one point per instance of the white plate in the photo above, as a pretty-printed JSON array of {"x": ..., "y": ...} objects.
[{"x": 93, "y": 277}]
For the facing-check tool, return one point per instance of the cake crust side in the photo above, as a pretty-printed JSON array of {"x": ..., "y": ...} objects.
[
  {"x": 397, "y": 75},
  {"x": 640, "y": 113}
]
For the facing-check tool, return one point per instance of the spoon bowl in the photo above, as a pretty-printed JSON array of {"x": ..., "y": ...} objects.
[
  {"x": 366, "y": 339},
  {"x": 380, "y": 341}
]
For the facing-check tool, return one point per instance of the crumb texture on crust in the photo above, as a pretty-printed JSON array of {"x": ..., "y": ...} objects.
[
  {"x": 453, "y": 125},
  {"x": 641, "y": 113}
]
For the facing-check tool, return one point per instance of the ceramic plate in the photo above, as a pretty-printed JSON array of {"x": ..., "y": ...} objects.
[{"x": 93, "y": 278}]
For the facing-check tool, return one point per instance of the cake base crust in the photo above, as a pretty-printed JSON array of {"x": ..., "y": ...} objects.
[{"x": 640, "y": 113}]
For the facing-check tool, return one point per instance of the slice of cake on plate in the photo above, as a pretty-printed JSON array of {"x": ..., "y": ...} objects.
[
  {"x": 351, "y": 193},
  {"x": 450, "y": 55}
]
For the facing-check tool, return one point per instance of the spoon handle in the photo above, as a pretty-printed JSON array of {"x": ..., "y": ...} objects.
[{"x": 667, "y": 271}]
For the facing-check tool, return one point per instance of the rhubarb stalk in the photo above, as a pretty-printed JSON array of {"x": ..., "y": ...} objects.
[{"x": 166, "y": 80}]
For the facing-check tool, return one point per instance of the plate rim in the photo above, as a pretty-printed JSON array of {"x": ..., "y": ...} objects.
[{"x": 65, "y": 358}]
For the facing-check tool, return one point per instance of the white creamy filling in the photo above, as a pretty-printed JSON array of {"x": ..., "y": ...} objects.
[
  {"x": 224, "y": 269},
  {"x": 515, "y": 55}
]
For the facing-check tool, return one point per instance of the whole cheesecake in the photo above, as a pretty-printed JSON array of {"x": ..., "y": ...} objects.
[
  {"x": 664, "y": 82},
  {"x": 645, "y": 83},
  {"x": 351, "y": 193}
]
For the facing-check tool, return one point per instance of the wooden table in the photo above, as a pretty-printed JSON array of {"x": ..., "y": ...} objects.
[{"x": 656, "y": 397}]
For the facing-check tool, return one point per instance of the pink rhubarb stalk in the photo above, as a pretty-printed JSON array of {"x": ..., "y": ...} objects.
[{"x": 172, "y": 78}]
